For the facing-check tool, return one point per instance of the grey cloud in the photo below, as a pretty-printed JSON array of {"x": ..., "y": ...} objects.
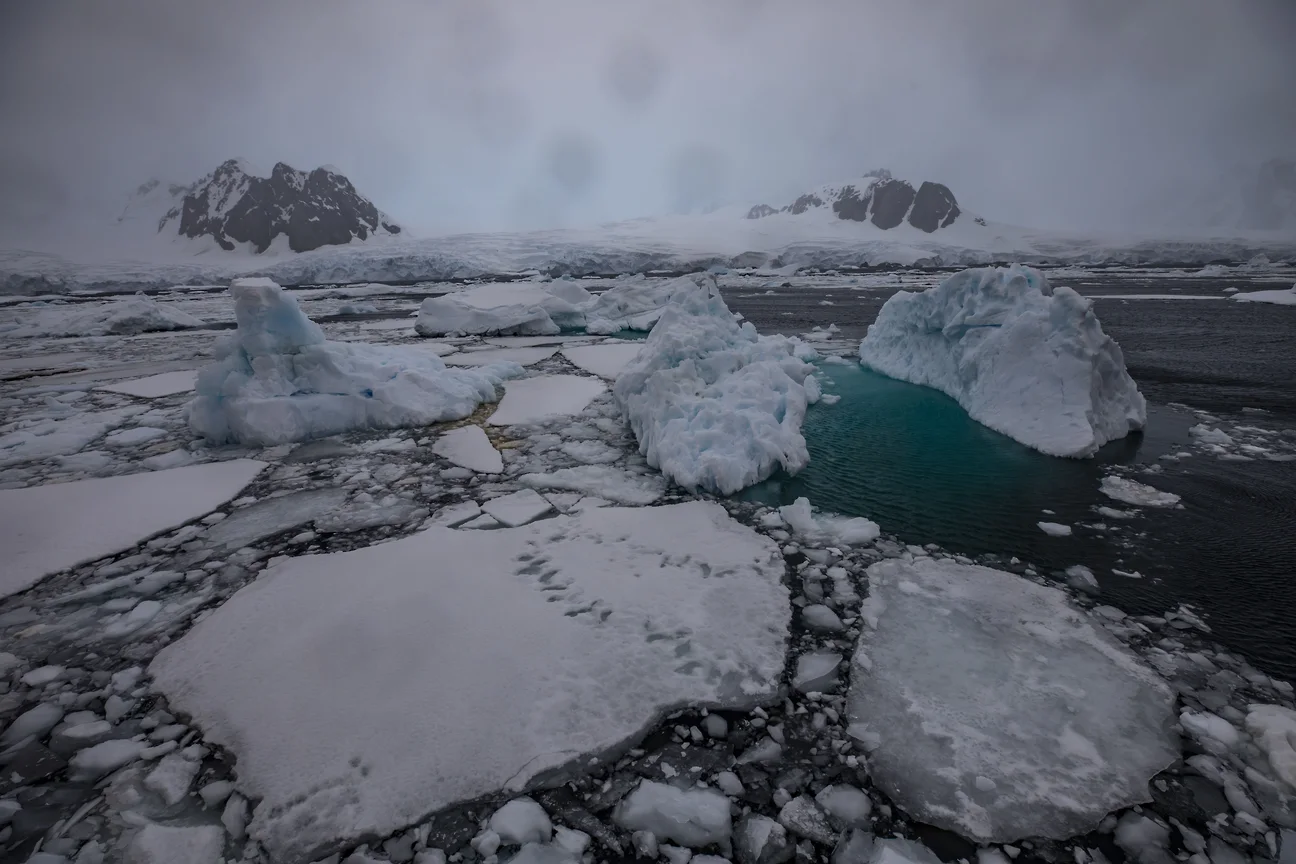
[{"x": 492, "y": 114}]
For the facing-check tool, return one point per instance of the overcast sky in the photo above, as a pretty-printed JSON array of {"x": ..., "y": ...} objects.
[{"x": 456, "y": 115}]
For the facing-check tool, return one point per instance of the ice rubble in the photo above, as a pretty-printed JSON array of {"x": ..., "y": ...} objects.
[
  {"x": 48, "y": 436},
  {"x": 715, "y": 405},
  {"x": 44, "y": 529},
  {"x": 827, "y": 527},
  {"x": 598, "y": 624},
  {"x": 517, "y": 309},
  {"x": 277, "y": 380},
  {"x": 138, "y": 314},
  {"x": 995, "y": 709},
  {"x": 1023, "y": 358}
]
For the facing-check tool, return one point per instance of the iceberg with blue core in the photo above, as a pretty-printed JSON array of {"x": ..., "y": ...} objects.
[
  {"x": 276, "y": 379},
  {"x": 715, "y": 405},
  {"x": 1024, "y": 358}
]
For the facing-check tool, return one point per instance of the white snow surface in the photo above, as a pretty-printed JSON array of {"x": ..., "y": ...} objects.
[
  {"x": 360, "y": 690},
  {"x": 606, "y": 361},
  {"x": 715, "y": 405},
  {"x": 1280, "y": 297},
  {"x": 468, "y": 447},
  {"x": 498, "y": 309},
  {"x": 155, "y": 386},
  {"x": 544, "y": 397},
  {"x": 45, "y": 529},
  {"x": 965, "y": 672},
  {"x": 277, "y": 379},
  {"x": 1024, "y": 358}
]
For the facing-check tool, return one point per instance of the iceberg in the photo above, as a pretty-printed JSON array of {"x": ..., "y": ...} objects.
[
  {"x": 501, "y": 309},
  {"x": 129, "y": 317},
  {"x": 1024, "y": 358},
  {"x": 634, "y": 304},
  {"x": 713, "y": 404},
  {"x": 276, "y": 379},
  {"x": 994, "y": 708}
]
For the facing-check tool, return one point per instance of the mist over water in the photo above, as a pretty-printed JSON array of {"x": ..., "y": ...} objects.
[{"x": 484, "y": 115}]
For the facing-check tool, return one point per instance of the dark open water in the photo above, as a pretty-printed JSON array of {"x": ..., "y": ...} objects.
[{"x": 910, "y": 459}]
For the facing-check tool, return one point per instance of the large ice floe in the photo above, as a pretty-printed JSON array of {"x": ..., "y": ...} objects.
[
  {"x": 1024, "y": 358},
  {"x": 715, "y": 405},
  {"x": 994, "y": 708},
  {"x": 514, "y": 309},
  {"x": 451, "y": 664},
  {"x": 1279, "y": 297},
  {"x": 277, "y": 379},
  {"x": 44, "y": 529},
  {"x": 138, "y": 314}
]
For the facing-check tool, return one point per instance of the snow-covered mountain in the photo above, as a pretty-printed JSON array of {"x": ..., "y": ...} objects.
[
  {"x": 233, "y": 205},
  {"x": 880, "y": 199}
]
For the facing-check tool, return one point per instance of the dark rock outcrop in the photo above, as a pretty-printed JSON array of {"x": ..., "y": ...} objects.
[
  {"x": 319, "y": 208},
  {"x": 882, "y": 200}
]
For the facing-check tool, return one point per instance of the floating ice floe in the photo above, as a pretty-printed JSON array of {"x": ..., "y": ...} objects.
[
  {"x": 1131, "y": 492},
  {"x": 45, "y": 529},
  {"x": 48, "y": 437},
  {"x": 1055, "y": 529},
  {"x": 994, "y": 708},
  {"x": 468, "y": 447},
  {"x": 1024, "y": 358},
  {"x": 155, "y": 386},
  {"x": 602, "y": 481},
  {"x": 828, "y": 528},
  {"x": 714, "y": 404},
  {"x": 138, "y": 314},
  {"x": 544, "y": 397},
  {"x": 606, "y": 360},
  {"x": 277, "y": 379},
  {"x": 1280, "y": 297},
  {"x": 599, "y": 624},
  {"x": 504, "y": 309}
]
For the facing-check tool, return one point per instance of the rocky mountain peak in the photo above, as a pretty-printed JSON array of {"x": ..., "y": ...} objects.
[{"x": 878, "y": 198}]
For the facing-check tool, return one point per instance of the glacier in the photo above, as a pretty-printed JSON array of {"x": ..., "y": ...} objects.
[
  {"x": 276, "y": 379},
  {"x": 713, "y": 404},
  {"x": 1024, "y": 358}
]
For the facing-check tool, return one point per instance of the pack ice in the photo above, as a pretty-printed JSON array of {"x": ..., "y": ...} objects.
[
  {"x": 277, "y": 379},
  {"x": 995, "y": 709},
  {"x": 715, "y": 405},
  {"x": 134, "y": 315},
  {"x": 1026, "y": 359},
  {"x": 362, "y": 690},
  {"x": 516, "y": 309}
]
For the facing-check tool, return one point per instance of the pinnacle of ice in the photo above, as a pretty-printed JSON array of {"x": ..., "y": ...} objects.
[{"x": 1024, "y": 358}]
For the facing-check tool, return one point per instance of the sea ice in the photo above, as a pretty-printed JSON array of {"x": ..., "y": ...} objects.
[
  {"x": 162, "y": 844},
  {"x": 44, "y": 529},
  {"x": 517, "y": 508},
  {"x": 138, "y": 314},
  {"x": 690, "y": 817},
  {"x": 599, "y": 624},
  {"x": 606, "y": 360},
  {"x": 1280, "y": 297},
  {"x": 155, "y": 386},
  {"x": 966, "y": 674},
  {"x": 487, "y": 356},
  {"x": 529, "y": 400},
  {"x": 634, "y": 304},
  {"x": 715, "y": 405},
  {"x": 469, "y": 448},
  {"x": 1130, "y": 492},
  {"x": 1021, "y": 357},
  {"x": 828, "y": 528},
  {"x": 277, "y": 380},
  {"x": 602, "y": 481},
  {"x": 1055, "y": 529},
  {"x": 1274, "y": 729},
  {"x": 516, "y": 309},
  {"x": 42, "y": 439},
  {"x": 521, "y": 821}
]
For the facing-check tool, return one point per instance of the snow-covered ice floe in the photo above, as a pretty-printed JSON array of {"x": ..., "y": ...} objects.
[
  {"x": 606, "y": 361},
  {"x": 362, "y": 690},
  {"x": 498, "y": 308},
  {"x": 155, "y": 386},
  {"x": 994, "y": 708},
  {"x": 1280, "y": 297},
  {"x": 138, "y": 314},
  {"x": 45, "y": 529},
  {"x": 1139, "y": 494},
  {"x": 635, "y": 303},
  {"x": 531, "y": 400},
  {"x": 277, "y": 379},
  {"x": 1024, "y": 358},
  {"x": 715, "y": 405}
]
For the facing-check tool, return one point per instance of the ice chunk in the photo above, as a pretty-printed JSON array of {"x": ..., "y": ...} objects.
[
  {"x": 599, "y": 623},
  {"x": 456, "y": 514},
  {"x": 172, "y": 777},
  {"x": 544, "y": 397},
  {"x": 1274, "y": 729},
  {"x": 521, "y": 821},
  {"x": 847, "y": 804},
  {"x": 34, "y": 721},
  {"x": 603, "y": 481},
  {"x": 94, "y": 762},
  {"x": 816, "y": 616},
  {"x": 970, "y": 673},
  {"x": 277, "y": 380},
  {"x": 715, "y": 405},
  {"x": 44, "y": 529},
  {"x": 827, "y": 528},
  {"x": 569, "y": 290},
  {"x": 1134, "y": 493},
  {"x": 138, "y": 314},
  {"x": 634, "y": 304},
  {"x": 1055, "y": 529},
  {"x": 900, "y": 851},
  {"x": 1020, "y": 356},
  {"x": 518, "y": 508},
  {"x": 690, "y": 817},
  {"x": 544, "y": 853},
  {"x": 606, "y": 360},
  {"x": 134, "y": 436},
  {"x": 155, "y": 386},
  {"x": 469, "y": 447},
  {"x": 162, "y": 844},
  {"x": 270, "y": 516},
  {"x": 496, "y": 309},
  {"x": 816, "y": 671}
]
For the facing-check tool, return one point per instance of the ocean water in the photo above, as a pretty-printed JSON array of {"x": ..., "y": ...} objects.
[{"x": 911, "y": 459}]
